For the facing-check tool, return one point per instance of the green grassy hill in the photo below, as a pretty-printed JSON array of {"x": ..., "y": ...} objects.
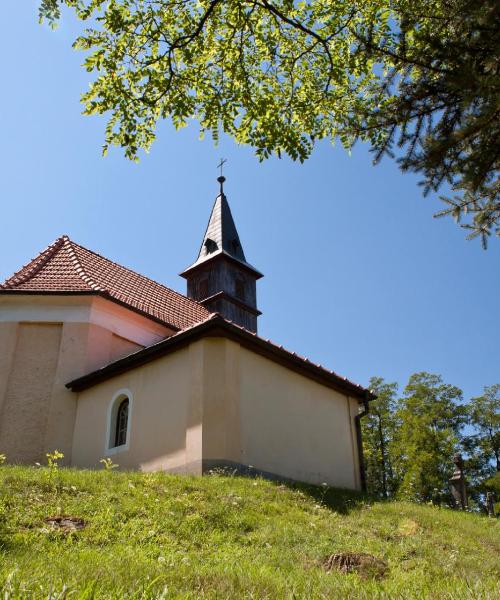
[{"x": 159, "y": 536}]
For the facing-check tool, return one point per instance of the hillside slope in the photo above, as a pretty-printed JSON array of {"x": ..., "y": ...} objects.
[{"x": 160, "y": 536}]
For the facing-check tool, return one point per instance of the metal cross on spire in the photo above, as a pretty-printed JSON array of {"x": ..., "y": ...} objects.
[
  {"x": 223, "y": 161},
  {"x": 221, "y": 177}
]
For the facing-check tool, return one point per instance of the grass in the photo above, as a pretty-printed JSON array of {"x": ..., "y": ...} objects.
[{"x": 162, "y": 536}]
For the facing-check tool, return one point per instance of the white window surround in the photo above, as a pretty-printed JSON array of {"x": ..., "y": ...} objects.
[{"x": 118, "y": 396}]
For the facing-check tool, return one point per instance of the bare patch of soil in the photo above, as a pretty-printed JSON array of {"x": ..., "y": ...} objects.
[
  {"x": 408, "y": 527},
  {"x": 365, "y": 565},
  {"x": 65, "y": 523}
]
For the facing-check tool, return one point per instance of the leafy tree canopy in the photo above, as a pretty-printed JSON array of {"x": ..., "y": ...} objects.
[
  {"x": 281, "y": 74},
  {"x": 429, "y": 418},
  {"x": 378, "y": 430},
  {"x": 484, "y": 414}
]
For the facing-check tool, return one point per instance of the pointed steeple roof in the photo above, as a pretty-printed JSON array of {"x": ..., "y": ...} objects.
[
  {"x": 221, "y": 237},
  {"x": 221, "y": 233},
  {"x": 68, "y": 268}
]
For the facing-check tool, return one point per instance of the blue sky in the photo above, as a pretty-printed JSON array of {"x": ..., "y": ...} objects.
[{"x": 358, "y": 275}]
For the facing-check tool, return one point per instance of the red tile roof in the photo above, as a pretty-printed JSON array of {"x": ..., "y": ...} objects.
[
  {"x": 215, "y": 324},
  {"x": 66, "y": 267}
]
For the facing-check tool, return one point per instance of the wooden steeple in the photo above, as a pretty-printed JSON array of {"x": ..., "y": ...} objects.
[{"x": 221, "y": 278}]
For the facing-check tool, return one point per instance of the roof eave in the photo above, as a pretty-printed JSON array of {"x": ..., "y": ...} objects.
[
  {"x": 216, "y": 326},
  {"x": 218, "y": 256}
]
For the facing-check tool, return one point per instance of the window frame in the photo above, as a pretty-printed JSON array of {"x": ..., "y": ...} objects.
[{"x": 118, "y": 397}]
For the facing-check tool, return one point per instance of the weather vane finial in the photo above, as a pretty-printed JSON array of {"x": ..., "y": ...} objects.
[{"x": 221, "y": 177}]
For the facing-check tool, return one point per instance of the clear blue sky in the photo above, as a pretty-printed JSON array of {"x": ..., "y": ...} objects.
[{"x": 358, "y": 275}]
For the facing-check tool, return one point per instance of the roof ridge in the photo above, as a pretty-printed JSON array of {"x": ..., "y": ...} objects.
[
  {"x": 137, "y": 273},
  {"x": 80, "y": 270},
  {"x": 40, "y": 261}
]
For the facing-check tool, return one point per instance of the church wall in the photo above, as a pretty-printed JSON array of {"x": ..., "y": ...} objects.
[
  {"x": 119, "y": 320},
  {"x": 37, "y": 412},
  {"x": 258, "y": 413},
  {"x": 165, "y": 416},
  {"x": 121, "y": 347},
  {"x": 217, "y": 403},
  {"x": 126, "y": 323},
  {"x": 221, "y": 400},
  {"x": 34, "y": 376},
  {"x": 8, "y": 338},
  {"x": 294, "y": 426},
  {"x": 25, "y": 408}
]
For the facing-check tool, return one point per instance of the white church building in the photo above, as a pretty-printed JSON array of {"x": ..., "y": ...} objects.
[{"x": 99, "y": 361}]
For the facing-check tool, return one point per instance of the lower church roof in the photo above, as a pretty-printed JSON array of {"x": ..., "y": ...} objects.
[{"x": 217, "y": 326}]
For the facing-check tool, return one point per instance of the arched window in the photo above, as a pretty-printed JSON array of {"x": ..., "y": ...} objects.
[
  {"x": 118, "y": 423},
  {"x": 121, "y": 423}
]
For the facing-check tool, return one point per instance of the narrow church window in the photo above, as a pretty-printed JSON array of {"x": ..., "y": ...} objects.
[{"x": 121, "y": 423}]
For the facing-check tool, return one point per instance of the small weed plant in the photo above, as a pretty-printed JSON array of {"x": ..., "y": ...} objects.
[
  {"x": 108, "y": 464},
  {"x": 51, "y": 472},
  {"x": 53, "y": 459}
]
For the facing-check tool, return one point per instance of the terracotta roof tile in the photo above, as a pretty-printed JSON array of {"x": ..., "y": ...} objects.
[{"x": 68, "y": 267}]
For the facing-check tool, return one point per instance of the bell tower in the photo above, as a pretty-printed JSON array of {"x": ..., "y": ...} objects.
[{"x": 221, "y": 278}]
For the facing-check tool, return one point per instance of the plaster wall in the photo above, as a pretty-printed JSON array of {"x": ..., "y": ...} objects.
[
  {"x": 164, "y": 416},
  {"x": 294, "y": 426},
  {"x": 276, "y": 420},
  {"x": 27, "y": 391},
  {"x": 119, "y": 320},
  {"x": 8, "y": 337},
  {"x": 46, "y": 341},
  {"x": 216, "y": 402}
]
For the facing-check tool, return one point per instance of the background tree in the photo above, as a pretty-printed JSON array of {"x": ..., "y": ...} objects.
[
  {"x": 493, "y": 485},
  {"x": 484, "y": 414},
  {"x": 275, "y": 74},
  {"x": 482, "y": 445},
  {"x": 429, "y": 419},
  {"x": 280, "y": 74},
  {"x": 378, "y": 429}
]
